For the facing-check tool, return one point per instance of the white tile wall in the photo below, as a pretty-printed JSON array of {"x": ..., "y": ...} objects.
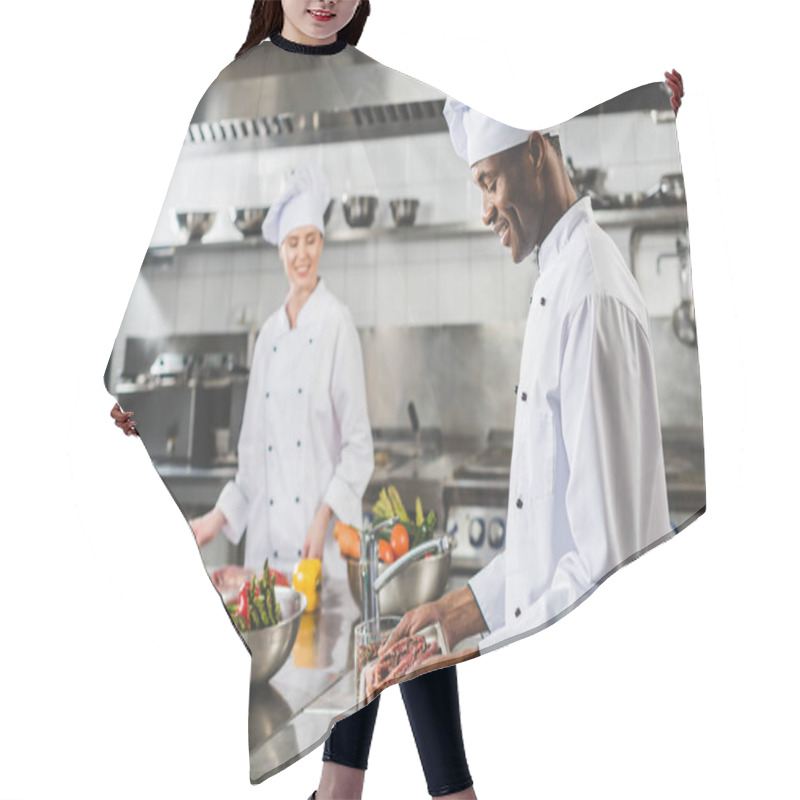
[
  {"x": 454, "y": 292},
  {"x": 360, "y": 294},
  {"x": 272, "y": 292},
  {"x": 422, "y": 163},
  {"x": 334, "y": 274},
  {"x": 386, "y": 281},
  {"x": 422, "y": 284},
  {"x": 517, "y": 287},
  {"x": 189, "y": 302},
  {"x": 486, "y": 292},
  {"x": 660, "y": 283},
  {"x": 391, "y": 293},
  {"x": 617, "y": 139}
]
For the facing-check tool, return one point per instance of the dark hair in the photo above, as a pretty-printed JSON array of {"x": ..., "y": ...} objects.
[
  {"x": 266, "y": 19},
  {"x": 555, "y": 142}
]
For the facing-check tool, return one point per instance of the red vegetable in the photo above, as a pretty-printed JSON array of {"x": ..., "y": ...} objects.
[
  {"x": 280, "y": 578},
  {"x": 243, "y": 609},
  {"x": 385, "y": 552}
]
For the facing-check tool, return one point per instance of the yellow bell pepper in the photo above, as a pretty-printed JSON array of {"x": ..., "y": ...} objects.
[{"x": 307, "y": 579}]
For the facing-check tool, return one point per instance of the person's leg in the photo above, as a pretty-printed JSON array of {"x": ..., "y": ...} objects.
[
  {"x": 432, "y": 705},
  {"x": 345, "y": 755}
]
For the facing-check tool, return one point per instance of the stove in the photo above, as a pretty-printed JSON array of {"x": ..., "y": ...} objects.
[{"x": 476, "y": 504}]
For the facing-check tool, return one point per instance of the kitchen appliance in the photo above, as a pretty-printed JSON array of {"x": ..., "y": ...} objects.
[
  {"x": 668, "y": 191},
  {"x": 183, "y": 390},
  {"x": 476, "y": 504},
  {"x": 171, "y": 365},
  {"x": 587, "y": 180},
  {"x": 683, "y": 317}
]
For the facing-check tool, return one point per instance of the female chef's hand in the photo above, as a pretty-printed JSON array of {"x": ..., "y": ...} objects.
[
  {"x": 675, "y": 85},
  {"x": 124, "y": 420},
  {"x": 314, "y": 545},
  {"x": 205, "y": 528}
]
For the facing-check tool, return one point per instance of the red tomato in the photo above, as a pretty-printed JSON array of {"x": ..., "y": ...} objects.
[
  {"x": 399, "y": 540},
  {"x": 280, "y": 578},
  {"x": 385, "y": 552}
]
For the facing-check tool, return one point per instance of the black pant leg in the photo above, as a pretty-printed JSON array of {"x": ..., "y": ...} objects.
[
  {"x": 350, "y": 740},
  {"x": 433, "y": 710}
]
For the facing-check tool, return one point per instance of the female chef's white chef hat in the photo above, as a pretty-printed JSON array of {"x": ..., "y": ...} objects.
[
  {"x": 476, "y": 136},
  {"x": 302, "y": 203}
]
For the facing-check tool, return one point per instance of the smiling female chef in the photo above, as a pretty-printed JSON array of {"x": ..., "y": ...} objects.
[{"x": 305, "y": 448}]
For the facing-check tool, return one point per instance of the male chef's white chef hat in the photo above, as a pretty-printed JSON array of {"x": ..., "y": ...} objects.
[
  {"x": 302, "y": 203},
  {"x": 476, "y": 136}
]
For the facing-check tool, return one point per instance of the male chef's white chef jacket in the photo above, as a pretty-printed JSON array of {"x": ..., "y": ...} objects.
[
  {"x": 305, "y": 437},
  {"x": 587, "y": 485}
]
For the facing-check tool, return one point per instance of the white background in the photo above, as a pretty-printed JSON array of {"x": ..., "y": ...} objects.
[{"x": 120, "y": 675}]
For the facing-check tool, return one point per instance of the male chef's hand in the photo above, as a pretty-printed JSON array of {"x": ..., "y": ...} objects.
[
  {"x": 124, "y": 420},
  {"x": 205, "y": 528},
  {"x": 675, "y": 85},
  {"x": 314, "y": 545},
  {"x": 457, "y": 612}
]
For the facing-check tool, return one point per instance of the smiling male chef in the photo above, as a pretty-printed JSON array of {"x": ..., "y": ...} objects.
[{"x": 587, "y": 488}]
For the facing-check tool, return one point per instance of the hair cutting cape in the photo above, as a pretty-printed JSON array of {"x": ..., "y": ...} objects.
[{"x": 540, "y": 419}]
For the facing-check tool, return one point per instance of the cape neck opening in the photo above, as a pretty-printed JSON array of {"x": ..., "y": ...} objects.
[{"x": 307, "y": 49}]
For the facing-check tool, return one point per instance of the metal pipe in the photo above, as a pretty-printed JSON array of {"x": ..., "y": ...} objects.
[{"x": 440, "y": 545}]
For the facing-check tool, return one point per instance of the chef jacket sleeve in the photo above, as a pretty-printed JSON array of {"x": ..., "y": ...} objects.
[
  {"x": 488, "y": 589},
  {"x": 349, "y": 396},
  {"x": 609, "y": 425},
  {"x": 235, "y": 499}
]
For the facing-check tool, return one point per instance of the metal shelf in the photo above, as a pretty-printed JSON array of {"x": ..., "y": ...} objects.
[{"x": 655, "y": 216}]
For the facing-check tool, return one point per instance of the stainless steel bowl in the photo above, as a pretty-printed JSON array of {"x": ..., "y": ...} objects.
[
  {"x": 195, "y": 224},
  {"x": 248, "y": 221},
  {"x": 672, "y": 188},
  {"x": 418, "y": 583},
  {"x": 359, "y": 209},
  {"x": 404, "y": 211},
  {"x": 270, "y": 647}
]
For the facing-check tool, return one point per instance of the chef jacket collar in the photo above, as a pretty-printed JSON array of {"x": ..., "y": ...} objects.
[
  {"x": 307, "y": 311},
  {"x": 561, "y": 232}
]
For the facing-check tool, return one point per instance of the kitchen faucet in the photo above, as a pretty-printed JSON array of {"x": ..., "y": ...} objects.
[{"x": 371, "y": 582}]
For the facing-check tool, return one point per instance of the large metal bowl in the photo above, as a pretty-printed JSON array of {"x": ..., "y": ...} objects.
[
  {"x": 270, "y": 647},
  {"x": 248, "y": 221},
  {"x": 359, "y": 210},
  {"x": 404, "y": 211},
  {"x": 195, "y": 224},
  {"x": 418, "y": 583}
]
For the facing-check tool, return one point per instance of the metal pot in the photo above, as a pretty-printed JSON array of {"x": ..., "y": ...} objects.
[
  {"x": 585, "y": 180},
  {"x": 404, "y": 211},
  {"x": 418, "y": 583},
  {"x": 668, "y": 191},
  {"x": 359, "y": 210},
  {"x": 270, "y": 647},
  {"x": 195, "y": 224},
  {"x": 248, "y": 221},
  {"x": 672, "y": 188}
]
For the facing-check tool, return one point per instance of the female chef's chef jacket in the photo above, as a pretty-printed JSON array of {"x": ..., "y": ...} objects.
[
  {"x": 587, "y": 484},
  {"x": 305, "y": 436}
]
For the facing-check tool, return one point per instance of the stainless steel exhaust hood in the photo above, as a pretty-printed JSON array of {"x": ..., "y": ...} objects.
[{"x": 272, "y": 98}]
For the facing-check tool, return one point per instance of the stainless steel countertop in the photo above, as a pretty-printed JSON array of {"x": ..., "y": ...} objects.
[
  {"x": 293, "y": 713},
  {"x": 322, "y": 654}
]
